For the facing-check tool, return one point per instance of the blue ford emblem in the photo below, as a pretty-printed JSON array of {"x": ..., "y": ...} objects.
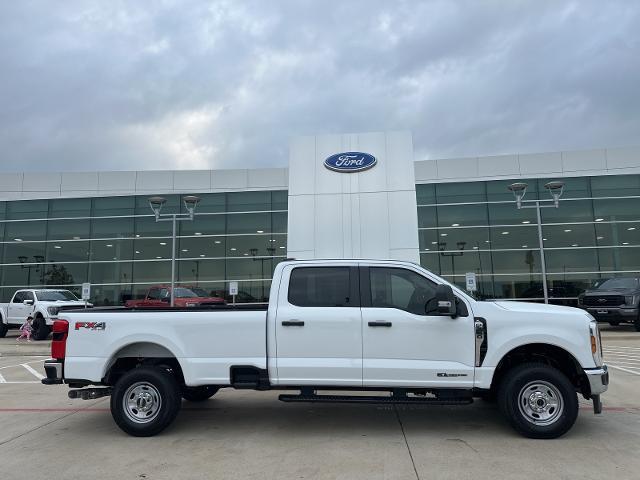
[{"x": 350, "y": 162}]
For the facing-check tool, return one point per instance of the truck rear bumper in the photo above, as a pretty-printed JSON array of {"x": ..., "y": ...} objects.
[
  {"x": 598, "y": 379},
  {"x": 53, "y": 370}
]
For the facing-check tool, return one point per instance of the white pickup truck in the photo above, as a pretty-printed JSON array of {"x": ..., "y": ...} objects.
[
  {"x": 42, "y": 305},
  {"x": 388, "y": 328}
]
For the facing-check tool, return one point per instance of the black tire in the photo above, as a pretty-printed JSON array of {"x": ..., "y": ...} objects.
[
  {"x": 614, "y": 323},
  {"x": 637, "y": 323},
  {"x": 40, "y": 329},
  {"x": 199, "y": 394},
  {"x": 4, "y": 328},
  {"x": 145, "y": 387},
  {"x": 541, "y": 383}
]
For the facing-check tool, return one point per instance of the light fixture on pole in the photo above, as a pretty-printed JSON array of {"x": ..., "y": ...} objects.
[
  {"x": 555, "y": 189},
  {"x": 156, "y": 204}
]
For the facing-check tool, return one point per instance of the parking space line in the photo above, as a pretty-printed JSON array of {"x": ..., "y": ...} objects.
[
  {"x": 20, "y": 364},
  {"x": 31, "y": 370},
  {"x": 2, "y": 380}
]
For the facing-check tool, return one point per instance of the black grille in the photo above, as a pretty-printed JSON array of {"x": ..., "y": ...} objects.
[{"x": 604, "y": 300}]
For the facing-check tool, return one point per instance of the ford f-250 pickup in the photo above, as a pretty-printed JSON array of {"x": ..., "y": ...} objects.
[
  {"x": 42, "y": 305},
  {"x": 389, "y": 328}
]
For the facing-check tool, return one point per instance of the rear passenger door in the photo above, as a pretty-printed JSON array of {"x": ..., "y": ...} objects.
[{"x": 319, "y": 326}]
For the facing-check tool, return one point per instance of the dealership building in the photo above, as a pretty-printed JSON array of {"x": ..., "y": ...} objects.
[{"x": 454, "y": 216}]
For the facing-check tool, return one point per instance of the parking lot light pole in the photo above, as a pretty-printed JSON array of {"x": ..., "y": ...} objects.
[
  {"x": 156, "y": 204},
  {"x": 555, "y": 189}
]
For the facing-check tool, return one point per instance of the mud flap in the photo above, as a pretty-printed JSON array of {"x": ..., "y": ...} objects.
[{"x": 597, "y": 404}]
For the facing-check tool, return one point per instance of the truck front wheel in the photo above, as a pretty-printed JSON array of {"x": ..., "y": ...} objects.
[
  {"x": 3, "y": 328},
  {"x": 145, "y": 401},
  {"x": 40, "y": 329},
  {"x": 538, "y": 401},
  {"x": 199, "y": 394}
]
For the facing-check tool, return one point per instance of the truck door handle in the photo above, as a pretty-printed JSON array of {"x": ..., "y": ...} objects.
[
  {"x": 292, "y": 323},
  {"x": 380, "y": 324}
]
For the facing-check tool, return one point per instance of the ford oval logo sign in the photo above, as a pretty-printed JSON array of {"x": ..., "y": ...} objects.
[{"x": 350, "y": 162}]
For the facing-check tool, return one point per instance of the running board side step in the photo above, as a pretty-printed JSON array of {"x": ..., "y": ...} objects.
[{"x": 371, "y": 399}]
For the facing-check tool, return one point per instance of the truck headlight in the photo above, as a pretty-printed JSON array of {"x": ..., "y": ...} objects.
[
  {"x": 596, "y": 343},
  {"x": 631, "y": 299},
  {"x": 581, "y": 299},
  {"x": 53, "y": 311}
]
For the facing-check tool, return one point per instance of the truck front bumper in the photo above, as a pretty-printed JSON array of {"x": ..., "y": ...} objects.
[
  {"x": 598, "y": 379},
  {"x": 53, "y": 369}
]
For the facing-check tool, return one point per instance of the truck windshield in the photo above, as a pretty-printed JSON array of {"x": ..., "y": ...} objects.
[
  {"x": 182, "y": 292},
  {"x": 618, "y": 283},
  {"x": 55, "y": 295}
]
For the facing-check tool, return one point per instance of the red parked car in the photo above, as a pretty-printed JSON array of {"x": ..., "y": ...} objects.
[{"x": 160, "y": 296}]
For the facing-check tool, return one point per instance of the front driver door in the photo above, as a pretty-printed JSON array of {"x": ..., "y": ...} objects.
[{"x": 404, "y": 346}]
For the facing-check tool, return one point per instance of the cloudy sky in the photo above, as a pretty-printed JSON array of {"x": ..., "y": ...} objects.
[{"x": 125, "y": 85}]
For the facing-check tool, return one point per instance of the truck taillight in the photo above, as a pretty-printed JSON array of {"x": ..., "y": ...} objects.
[{"x": 59, "y": 342}]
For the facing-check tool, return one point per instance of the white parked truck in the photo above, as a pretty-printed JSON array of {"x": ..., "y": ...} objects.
[
  {"x": 389, "y": 328},
  {"x": 42, "y": 304}
]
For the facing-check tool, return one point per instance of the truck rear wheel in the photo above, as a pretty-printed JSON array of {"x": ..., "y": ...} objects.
[
  {"x": 40, "y": 329},
  {"x": 145, "y": 401},
  {"x": 199, "y": 394},
  {"x": 539, "y": 401},
  {"x": 636, "y": 323}
]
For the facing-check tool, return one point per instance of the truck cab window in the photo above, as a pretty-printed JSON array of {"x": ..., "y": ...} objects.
[
  {"x": 320, "y": 287},
  {"x": 154, "y": 294},
  {"x": 402, "y": 289},
  {"x": 18, "y": 297}
]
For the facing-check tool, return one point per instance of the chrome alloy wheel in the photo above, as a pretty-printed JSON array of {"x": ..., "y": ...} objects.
[
  {"x": 540, "y": 403},
  {"x": 142, "y": 402}
]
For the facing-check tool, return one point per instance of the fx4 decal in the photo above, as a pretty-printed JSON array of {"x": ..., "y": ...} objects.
[{"x": 91, "y": 325}]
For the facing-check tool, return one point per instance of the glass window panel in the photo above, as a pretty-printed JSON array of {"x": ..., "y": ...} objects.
[
  {"x": 3, "y": 210},
  {"x": 617, "y": 233},
  {"x": 460, "y": 239},
  {"x": 518, "y": 286},
  {"x": 431, "y": 261},
  {"x": 20, "y": 252},
  {"x": 428, "y": 239},
  {"x": 570, "y": 284},
  {"x": 616, "y": 209},
  {"x": 570, "y": 260},
  {"x": 577, "y": 187},
  {"x": 568, "y": 235},
  {"x": 116, "y": 249},
  {"x": 249, "y": 223},
  {"x": 624, "y": 258},
  {"x": 508, "y": 214},
  {"x": 320, "y": 287},
  {"x": 461, "y": 192},
  {"x": 112, "y": 272},
  {"x": 157, "y": 271},
  {"x": 568, "y": 211},
  {"x": 36, "y": 230},
  {"x": 248, "y": 201},
  {"x": 524, "y": 237},
  {"x": 426, "y": 194},
  {"x": 615, "y": 185},
  {"x": 112, "y": 227},
  {"x": 498, "y": 190},
  {"x": 65, "y": 274},
  {"x": 109, "y": 295},
  {"x": 251, "y": 246},
  {"x": 427, "y": 217},
  {"x": 463, "y": 215},
  {"x": 195, "y": 271},
  {"x": 24, "y": 275},
  {"x": 243, "y": 268},
  {"x": 67, "y": 251},
  {"x": 199, "y": 246},
  {"x": 202, "y": 225},
  {"x": 248, "y": 292},
  {"x": 68, "y": 229},
  {"x": 107, "y": 206},
  {"x": 20, "y": 210},
  {"x": 148, "y": 227},
  {"x": 470, "y": 261},
  {"x": 526, "y": 261},
  {"x": 209, "y": 203},
  {"x": 279, "y": 222},
  {"x": 279, "y": 200},
  {"x": 152, "y": 248},
  {"x": 69, "y": 207}
]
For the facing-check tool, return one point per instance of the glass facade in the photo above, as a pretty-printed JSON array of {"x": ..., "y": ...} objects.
[
  {"x": 116, "y": 244},
  {"x": 476, "y": 227}
]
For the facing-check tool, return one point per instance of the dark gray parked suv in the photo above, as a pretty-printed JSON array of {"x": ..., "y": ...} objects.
[{"x": 614, "y": 300}]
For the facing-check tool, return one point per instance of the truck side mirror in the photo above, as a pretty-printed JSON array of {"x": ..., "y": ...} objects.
[
  {"x": 446, "y": 301},
  {"x": 27, "y": 302}
]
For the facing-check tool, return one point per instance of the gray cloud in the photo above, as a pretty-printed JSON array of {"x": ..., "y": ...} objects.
[{"x": 220, "y": 84}]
